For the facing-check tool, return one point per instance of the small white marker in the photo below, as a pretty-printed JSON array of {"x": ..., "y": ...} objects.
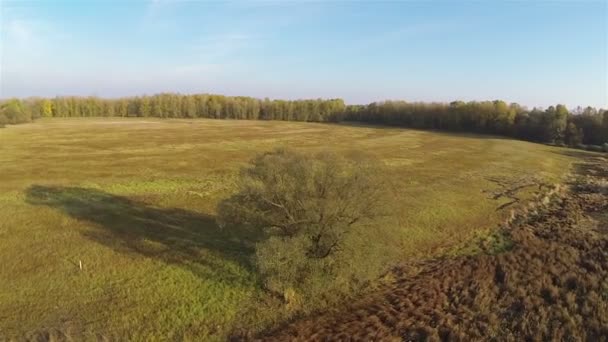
[{"x": 80, "y": 264}]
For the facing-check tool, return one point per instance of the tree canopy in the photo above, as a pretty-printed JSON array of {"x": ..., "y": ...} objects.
[
  {"x": 552, "y": 125},
  {"x": 555, "y": 124},
  {"x": 309, "y": 211}
]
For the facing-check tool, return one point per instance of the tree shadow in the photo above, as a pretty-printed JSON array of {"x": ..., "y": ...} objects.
[{"x": 173, "y": 235}]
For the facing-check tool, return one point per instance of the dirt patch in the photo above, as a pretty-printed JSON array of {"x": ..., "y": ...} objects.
[{"x": 551, "y": 285}]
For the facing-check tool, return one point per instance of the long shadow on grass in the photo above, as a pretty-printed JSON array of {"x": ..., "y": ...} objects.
[{"x": 173, "y": 235}]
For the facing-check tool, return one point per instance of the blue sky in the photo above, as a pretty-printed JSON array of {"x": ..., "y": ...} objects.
[{"x": 535, "y": 53}]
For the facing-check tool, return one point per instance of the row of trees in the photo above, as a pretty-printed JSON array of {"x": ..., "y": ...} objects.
[
  {"x": 184, "y": 106},
  {"x": 553, "y": 125}
]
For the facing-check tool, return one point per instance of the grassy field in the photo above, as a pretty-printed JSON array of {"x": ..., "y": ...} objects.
[{"x": 134, "y": 200}]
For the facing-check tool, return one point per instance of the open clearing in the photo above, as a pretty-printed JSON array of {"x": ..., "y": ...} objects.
[{"x": 135, "y": 202}]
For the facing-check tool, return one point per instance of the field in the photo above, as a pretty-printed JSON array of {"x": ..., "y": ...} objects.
[
  {"x": 134, "y": 201},
  {"x": 550, "y": 285}
]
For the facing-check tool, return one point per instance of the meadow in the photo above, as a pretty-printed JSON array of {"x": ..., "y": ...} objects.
[{"x": 135, "y": 201}]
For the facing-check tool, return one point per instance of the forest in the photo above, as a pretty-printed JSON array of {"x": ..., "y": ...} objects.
[{"x": 581, "y": 127}]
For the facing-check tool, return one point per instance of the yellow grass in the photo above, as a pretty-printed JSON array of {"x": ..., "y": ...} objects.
[{"x": 134, "y": 200}]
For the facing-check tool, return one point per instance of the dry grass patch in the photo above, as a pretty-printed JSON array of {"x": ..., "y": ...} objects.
[{"x": 135, "y": 201}]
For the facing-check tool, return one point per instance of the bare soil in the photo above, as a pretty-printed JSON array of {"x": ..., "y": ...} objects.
[{"x": 551, "y": 285}]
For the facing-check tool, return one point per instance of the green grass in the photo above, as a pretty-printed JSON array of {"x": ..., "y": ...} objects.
[{"x": 135, "y": 201}]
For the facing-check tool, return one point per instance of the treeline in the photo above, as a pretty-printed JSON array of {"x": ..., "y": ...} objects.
[
  {"x": 181, "y": 106},
  {"x": 555, "y": 124}
]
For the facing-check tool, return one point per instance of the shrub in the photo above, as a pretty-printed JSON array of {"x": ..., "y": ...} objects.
[
  {"x": 318, "y": 218},
  {"x": 13, "y": 112},
  {"x": 605, "y": 147},
  {"x": 595, "y": 148}
]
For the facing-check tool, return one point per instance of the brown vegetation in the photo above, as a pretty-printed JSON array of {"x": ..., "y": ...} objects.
[{"x": 551, "y": 285}]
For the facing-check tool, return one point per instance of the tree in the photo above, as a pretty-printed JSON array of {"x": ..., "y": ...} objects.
[
  {"x": 14, "y": 112},
  {"x": 189, "y": 107},
  {"x": 323, "y": 196},
  {"x": 122, "y": 107},
  {"x": 305, "y": 207},
  {"x": 573, "y": 136},
  {"x": 46, "y": 108},
  {"x": 145, "y": 108},
  {"x": 133, "y": 105},
  {"x": 590, "y": 121},
  {"x": 605, "y": 125},
  {"x": 109, "y": 108},
  {"x": 60, "y": 107},
  {"x": 156, "y": 107},
  {"x": 560, "y": 122}
]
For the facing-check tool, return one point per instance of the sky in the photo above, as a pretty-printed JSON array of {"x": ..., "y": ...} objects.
[{"x": 536, "y": 53}]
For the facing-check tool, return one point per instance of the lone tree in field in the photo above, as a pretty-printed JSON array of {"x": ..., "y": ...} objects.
[
  {"x": 315, "y": 214},
  {"x": 322, "y": 197}
]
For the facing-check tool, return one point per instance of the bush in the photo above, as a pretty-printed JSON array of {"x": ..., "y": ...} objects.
[
  {"x": 605, "y": 147},
  {"x": 318, "y": 217},
  {"x": 14, "y": 112}
]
